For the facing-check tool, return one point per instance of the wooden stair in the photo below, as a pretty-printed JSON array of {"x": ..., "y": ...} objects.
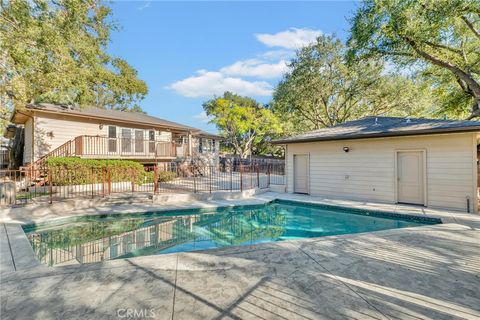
[{"x": 37, "y": 174}]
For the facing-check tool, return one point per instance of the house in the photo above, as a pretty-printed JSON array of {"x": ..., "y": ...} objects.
[
  {"x": 57, "y": 130},
  {"x": 433, "y": 163}
]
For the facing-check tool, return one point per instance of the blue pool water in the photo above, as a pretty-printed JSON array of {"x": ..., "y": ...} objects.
[{"x": 98, "y": 238}]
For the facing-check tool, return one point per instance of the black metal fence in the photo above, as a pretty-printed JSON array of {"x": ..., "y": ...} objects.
[{"x": 55, "y": 184}]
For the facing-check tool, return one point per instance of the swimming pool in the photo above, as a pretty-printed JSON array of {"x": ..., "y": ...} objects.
[{"x": 90, "y": 239}]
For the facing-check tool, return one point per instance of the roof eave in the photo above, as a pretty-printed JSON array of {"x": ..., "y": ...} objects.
[
  {"x": 100, "y": 117},
  {"x": 380, "y": 135}
]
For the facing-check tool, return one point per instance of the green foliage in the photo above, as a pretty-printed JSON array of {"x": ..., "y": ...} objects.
[
  {"x": 322, "y": 89},
  {"x": 246, "y": 125},
  {"x": 77, "y": 171},
  {"x": 78, "y": 163},
  {"x": 165, "y": 176},
  {"x": 439, "y": 37},
  {"x": 55, "y": 51}
]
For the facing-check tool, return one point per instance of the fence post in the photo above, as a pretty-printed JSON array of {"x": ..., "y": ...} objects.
[
  {"x": 109, "y": 180},
  {"x": 133, "y": 180},
  {"x": 231, "y": 177},
  {"x": 241, "y": 177},
  {"x": 194, "y": 180},
  {"x": 155, "y": 179},
  {"x": 258, "y": 176},
  {"x": 92, "y": 180},
  {"x": 268, "y": 175},
  {"x": 50, "y": 176},
  {"x": 251, "y": 176},
  {"x": 210, "y": 178},
  {"x": 103, "y": 182}
]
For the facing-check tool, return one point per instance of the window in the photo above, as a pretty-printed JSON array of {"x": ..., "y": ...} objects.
[
  {"x": 126, "y": 140},
  {"x": 112, "y": 139},
  {"x": 151, "y": 142},
  {"x": 200, "y": 145},
  {"x": 139, "y": 141}
]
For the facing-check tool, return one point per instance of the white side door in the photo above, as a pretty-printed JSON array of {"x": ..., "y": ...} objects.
[
  {"x": 300, "y": 173},
  {"x": 410, "y": 184}
]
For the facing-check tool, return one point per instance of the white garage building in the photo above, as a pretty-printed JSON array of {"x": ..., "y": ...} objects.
[{"x": 427, "y": 162}]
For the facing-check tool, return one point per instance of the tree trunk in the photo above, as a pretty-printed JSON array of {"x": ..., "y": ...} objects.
[{"x": 475, "y": 109}]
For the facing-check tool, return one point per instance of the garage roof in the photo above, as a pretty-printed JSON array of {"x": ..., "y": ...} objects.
[{"x": 377, "y": 127}]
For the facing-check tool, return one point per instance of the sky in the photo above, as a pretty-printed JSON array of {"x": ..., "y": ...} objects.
[{"x": 189, "y": 52}]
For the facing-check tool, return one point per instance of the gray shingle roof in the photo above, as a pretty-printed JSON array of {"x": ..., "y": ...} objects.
[
  {"x": 134, "y": 117},
  {"x": 375, "y": 127}
]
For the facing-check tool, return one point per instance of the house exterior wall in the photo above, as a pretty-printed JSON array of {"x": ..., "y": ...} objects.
[
  {"x": 368, "y": 170},
  {"x": 207, "y": 151},
  {"x": 51, "y": 131},
  {"x": 27, "y": 147}
]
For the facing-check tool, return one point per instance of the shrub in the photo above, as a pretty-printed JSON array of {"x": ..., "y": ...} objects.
[
  {"x": 76, "y": 171},
  {"x": 165, "y": 176}
]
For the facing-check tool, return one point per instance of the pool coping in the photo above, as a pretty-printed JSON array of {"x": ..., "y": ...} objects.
[
  {"x": 188, "y": 211},
  {"x": 23, "y": 258}
]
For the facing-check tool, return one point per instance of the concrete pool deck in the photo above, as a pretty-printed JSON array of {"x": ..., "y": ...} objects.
[{"x": 422, "y": 272}]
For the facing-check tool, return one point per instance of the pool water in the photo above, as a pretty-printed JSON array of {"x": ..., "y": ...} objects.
[{"x": 106, "y": 237}]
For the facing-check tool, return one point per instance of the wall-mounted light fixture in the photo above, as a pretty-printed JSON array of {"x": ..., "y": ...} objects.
[
  {"x": 346, "y": 149},
  {"x": 100, "y": 126}
]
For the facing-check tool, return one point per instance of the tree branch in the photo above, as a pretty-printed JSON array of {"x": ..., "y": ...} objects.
[
  {"x": 471, "y": 27},
  {"x": 441, "y": 46},
  {"x": 469, "y": 80}
]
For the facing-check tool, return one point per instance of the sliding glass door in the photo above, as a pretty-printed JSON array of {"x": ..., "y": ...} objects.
[
  {"x": 139, "y": 142},
  {"x": 126, "y": 140}
]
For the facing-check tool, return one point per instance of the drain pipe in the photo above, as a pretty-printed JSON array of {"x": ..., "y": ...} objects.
[{"x": 468, "y": 204}]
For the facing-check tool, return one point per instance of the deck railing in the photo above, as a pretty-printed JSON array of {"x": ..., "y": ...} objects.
[
  {"x": 47, "y": 185},
  {"x": 105, "y": 147}
]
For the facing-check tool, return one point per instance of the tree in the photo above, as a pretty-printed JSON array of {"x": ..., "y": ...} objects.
[
  {"x": 246, "y": 124},
  {"x": 322, "y": 90},
  {"x": 55, "y": 51},
  {"x": 442, "y": 35}
]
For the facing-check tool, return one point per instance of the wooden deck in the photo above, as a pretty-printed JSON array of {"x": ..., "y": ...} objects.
[{"x": 100, "y": 147}]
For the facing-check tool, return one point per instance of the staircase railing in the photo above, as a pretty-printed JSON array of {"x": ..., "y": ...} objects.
[
  {"x": 65, "y": 150},
  {"x": 198, "y": 164}
]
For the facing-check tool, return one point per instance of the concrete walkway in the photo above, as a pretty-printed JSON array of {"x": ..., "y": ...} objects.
[{"x": 428, "y": 272}]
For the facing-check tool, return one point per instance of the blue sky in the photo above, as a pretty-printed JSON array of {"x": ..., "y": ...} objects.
[{"x": 189, "y": 51}]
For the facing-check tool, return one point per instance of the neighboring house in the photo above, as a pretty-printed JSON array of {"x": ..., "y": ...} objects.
[
  {"x": 384, "y": 159},
  {"x": 54, "y": 130}
]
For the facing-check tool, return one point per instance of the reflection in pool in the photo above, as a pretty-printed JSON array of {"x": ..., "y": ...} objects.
[{"x": 98, "y": 238}]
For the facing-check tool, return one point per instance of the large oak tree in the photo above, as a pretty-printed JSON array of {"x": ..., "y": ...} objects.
[
  {"x": 322, "y": 89},
  {"x": 56, "y": 51},
  {"x": 442, "y": 37}
]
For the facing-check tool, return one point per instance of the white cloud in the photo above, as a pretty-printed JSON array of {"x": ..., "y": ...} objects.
[
  {"x": 271, "y": 64},
  {"x": 209, "y": 83},
  {"x": 144, "y": 6},
  {"x": 203, "y": 117},
  {"x": 256, "y": 68},
  {"x": 293, "y": 38},
  {"x": 281, "y": 54}
]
